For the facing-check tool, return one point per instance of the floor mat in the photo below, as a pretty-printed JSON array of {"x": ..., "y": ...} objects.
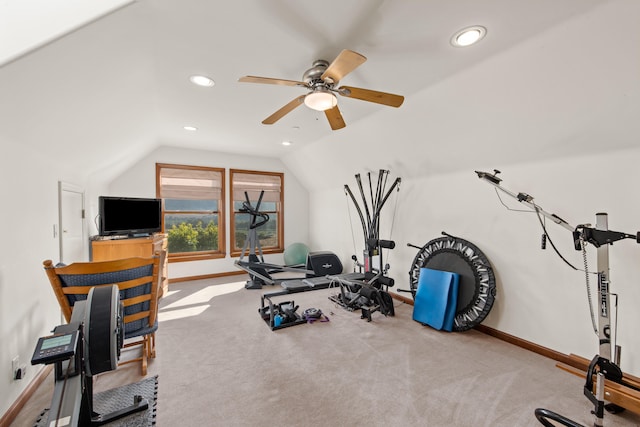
[{"x": 120, "y": 397}]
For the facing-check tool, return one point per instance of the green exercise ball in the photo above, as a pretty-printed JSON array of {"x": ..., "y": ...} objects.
[{"x": 296, "y": 253}]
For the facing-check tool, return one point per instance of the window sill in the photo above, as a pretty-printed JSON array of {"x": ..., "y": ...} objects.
[
  {"x": 194, "y": 257},
  {"x": 235, "y": 254}
]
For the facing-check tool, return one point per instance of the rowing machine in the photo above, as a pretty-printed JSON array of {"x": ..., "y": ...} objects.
[{"x": 88, "y": 345}]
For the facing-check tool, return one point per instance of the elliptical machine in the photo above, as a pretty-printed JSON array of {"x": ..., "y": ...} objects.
[{"x": 259, "y": 271}]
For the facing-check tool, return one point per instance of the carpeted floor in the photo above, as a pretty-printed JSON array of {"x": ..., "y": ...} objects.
[
  {"x": 229, "y": 369},
  {"x": 121, "y": 397},
  {"x": 220, "y": 365}
]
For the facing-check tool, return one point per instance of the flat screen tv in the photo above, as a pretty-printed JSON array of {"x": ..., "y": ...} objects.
[{"x": 129, "y": 216}]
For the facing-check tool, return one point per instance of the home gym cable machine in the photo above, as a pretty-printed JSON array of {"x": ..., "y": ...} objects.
[
  {"x": 622, "y": 392},
  {"x": 367, "y": 289},
  {"x": 370, "y": 221}
]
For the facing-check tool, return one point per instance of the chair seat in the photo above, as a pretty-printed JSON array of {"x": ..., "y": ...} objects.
[{"x": 142, "y": 331}]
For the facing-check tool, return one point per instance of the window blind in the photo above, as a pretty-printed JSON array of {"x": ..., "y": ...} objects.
[
  {"x": 253, "y": 184},
  {"x": 190, "y": 184}
]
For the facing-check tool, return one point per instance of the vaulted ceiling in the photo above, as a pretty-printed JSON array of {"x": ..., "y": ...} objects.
[{"x": 117, "y": 85}]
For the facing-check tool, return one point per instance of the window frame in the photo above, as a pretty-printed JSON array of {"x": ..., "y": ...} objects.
[
  {"x": 279, "y": 212},
  {"x": 221, "y": 212}
]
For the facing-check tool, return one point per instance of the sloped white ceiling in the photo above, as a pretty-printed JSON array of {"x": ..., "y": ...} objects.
[
  {"x": 569, "y": 91},
  {"x": 26, "y": 25},
  {"x": 550, "y": 78}
]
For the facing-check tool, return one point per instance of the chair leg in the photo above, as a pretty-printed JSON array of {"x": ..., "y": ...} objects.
[
  {"x": 145, "y": 354},
  {"x": 144, "y": 363},
  {"x": 148, "y": 351},
  {"x": 152, "y": 345}
]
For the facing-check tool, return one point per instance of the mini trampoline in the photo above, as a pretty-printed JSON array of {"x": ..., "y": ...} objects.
[{"x": 477, "y": 287}]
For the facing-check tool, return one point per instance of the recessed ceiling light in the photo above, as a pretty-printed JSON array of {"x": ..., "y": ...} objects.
[
  {"x": 287, "y": 143},
  {"x": 202, "y": 81},
  {"x": 468, "y": 36},
  {"x": 190, "y": 128}
]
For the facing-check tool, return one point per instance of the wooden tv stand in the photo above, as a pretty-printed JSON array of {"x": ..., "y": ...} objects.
[{"x": 110, "y": 249}]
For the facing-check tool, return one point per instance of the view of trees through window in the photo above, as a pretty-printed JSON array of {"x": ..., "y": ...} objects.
[
  {"x": 191, "y": 226},
  {"x": 193, "y": 204},
  {"x": 194, "y": 214}
]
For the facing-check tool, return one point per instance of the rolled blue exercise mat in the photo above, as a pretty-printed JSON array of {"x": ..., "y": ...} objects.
[{"x": 436, "y": 298}]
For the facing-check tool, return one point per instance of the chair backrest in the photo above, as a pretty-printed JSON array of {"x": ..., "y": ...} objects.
[{"x": 137, "y": 279}]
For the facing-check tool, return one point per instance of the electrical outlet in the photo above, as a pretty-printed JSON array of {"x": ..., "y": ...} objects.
[
  {"x": 15, "y": 365},
  {"x": 22, "y": 372},
  {"x": 18, "y": 370}
]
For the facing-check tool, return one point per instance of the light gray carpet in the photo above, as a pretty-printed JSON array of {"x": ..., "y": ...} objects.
[
  {"x": 225, "y": 367},
  {"x": 221, "y": 365},
  {"x": 117, "y": 398}
]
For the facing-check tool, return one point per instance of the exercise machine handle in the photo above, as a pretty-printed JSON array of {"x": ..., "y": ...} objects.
[
  {"x": 386, "y": 281},
  {"x": 600, "y": 237},
  {"x": 386, "y": 244}
]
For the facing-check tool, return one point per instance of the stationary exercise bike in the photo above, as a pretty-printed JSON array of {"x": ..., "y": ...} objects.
[{"x": 605, "y": 365}]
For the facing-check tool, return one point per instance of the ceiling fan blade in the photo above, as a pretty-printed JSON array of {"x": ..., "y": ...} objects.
[
  {"x": 372, "y": 96},
  {"x": 271, "y": 81},
  {"x": 335, "y": 118},
  {"x": 345, "y": 63},
  {"x": 284, "y": 111}
]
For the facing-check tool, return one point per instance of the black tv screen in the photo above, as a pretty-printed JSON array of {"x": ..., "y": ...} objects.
[{"x": 129, "y": 216}]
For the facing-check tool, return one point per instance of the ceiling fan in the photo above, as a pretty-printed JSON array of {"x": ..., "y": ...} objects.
[{"x": 321, "y": 81}]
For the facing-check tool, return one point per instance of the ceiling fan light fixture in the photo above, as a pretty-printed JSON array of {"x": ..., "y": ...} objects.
[
  {"x": 320, "y": 99},
  {"x": 468, "y": 36}
]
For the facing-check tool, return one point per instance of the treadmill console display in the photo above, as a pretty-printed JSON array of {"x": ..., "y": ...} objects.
[{"x": 54, "y": 348}]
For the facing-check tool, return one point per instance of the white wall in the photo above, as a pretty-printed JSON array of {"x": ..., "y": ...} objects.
[
  {"x": 571, "y": 142},
  {"x": 539, "y": 299},
  {"x": 139, "y": 181},
  {"x": 28, "y": 308}
]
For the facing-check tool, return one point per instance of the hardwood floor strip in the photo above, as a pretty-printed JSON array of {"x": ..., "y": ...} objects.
[{"x": 26, "y": 394}]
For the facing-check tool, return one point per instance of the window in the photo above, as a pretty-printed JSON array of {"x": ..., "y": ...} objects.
[
  {"x": 252, "y": 183},
  {"x": 192, "y": 210}
]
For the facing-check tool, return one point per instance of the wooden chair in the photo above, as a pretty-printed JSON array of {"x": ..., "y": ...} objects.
[{"x": 138, "y": 280}]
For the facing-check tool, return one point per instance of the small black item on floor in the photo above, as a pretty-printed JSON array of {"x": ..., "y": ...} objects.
[
  {"x": 314, "y": 314},
  {"x": 281, "y": 315}
]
